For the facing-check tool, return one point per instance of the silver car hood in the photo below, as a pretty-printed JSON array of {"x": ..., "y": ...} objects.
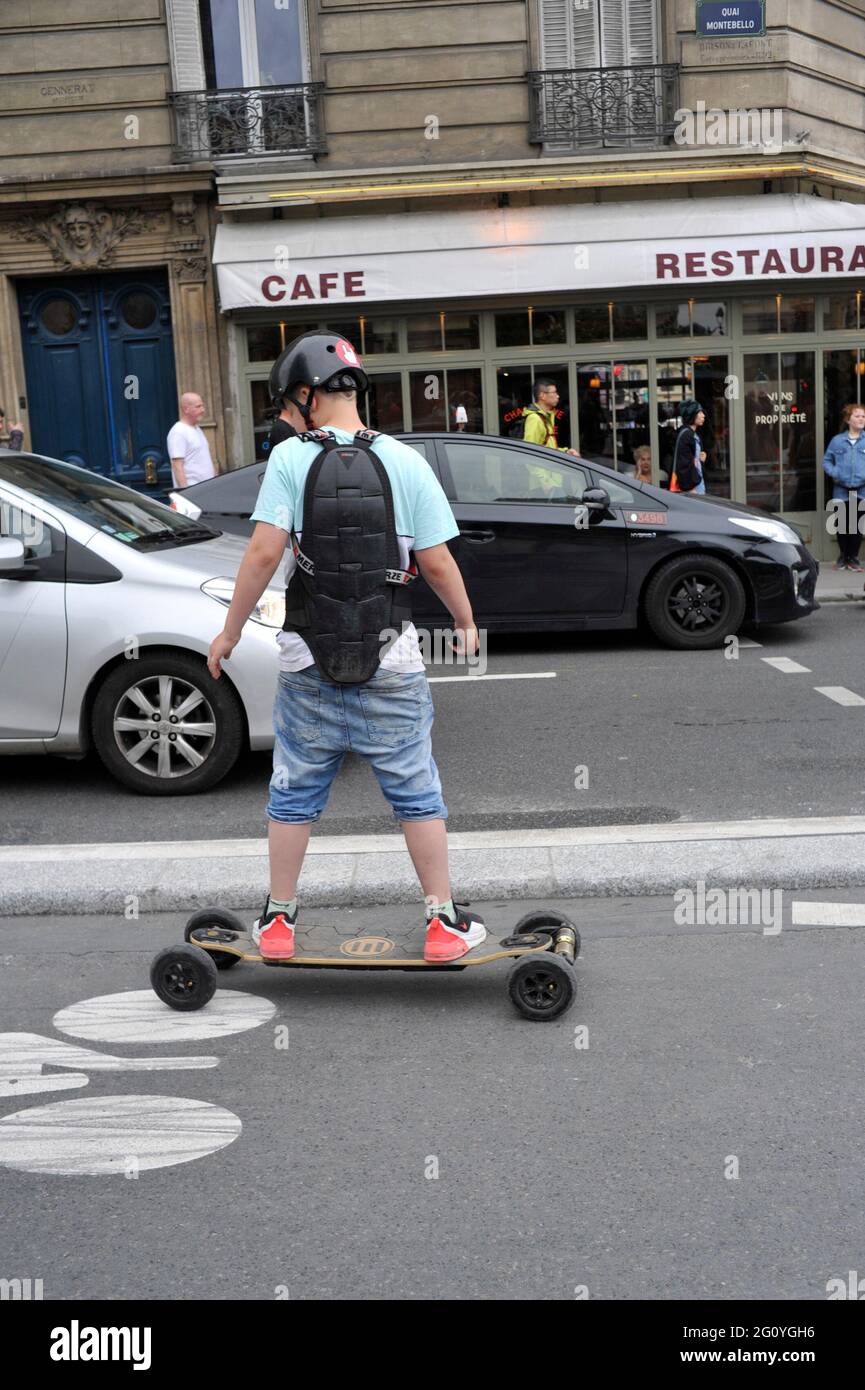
[{"x": 200, "y": 560}]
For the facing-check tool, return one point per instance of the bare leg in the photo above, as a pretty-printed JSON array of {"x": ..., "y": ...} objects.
[
  {"x": 287, "y": 847},
  {"x": 427, "y": 843}
]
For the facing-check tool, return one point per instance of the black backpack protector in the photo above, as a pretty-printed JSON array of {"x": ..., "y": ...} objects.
[{"x": 348, "y": 587}]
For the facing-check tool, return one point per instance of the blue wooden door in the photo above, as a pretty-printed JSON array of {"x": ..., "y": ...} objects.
[
  {"x": 99, "y": 360},
  {"x": 60, "y": 331},
  {"x": 142, "y": 400}
]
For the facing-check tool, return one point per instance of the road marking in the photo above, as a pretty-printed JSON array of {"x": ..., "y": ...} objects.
[
  {"x": 783, "y": 663},
  {"x": 828, "y": 914},
  {"x": 114, "y": 1135},
  {"x": 137, "y": 1016},
  {"x": 560, "y": 838},
  {"x": 748, "y": 642},
  {"x": 508, "y": 676},
  {"x": 840, "y": 694},
  {"x": 24, "y": 1055}
]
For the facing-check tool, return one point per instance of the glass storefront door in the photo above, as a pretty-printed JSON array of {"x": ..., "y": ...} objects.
[{"x": 780, "y": 432}]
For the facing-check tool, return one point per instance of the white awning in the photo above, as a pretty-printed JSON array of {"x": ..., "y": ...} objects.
[{"x": 520, "y": 251}]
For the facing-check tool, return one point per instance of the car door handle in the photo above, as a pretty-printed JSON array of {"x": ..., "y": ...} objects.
[{"x": 479, "y": 537}]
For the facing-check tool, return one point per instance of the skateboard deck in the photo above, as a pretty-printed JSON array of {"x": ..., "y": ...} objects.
[{"x": 327, "y": 945}]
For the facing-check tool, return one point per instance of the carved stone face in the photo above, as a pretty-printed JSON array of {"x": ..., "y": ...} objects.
[{"x": 79, "y": 229}]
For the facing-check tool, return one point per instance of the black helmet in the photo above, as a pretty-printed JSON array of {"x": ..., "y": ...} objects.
[
  {"x": 689, "y": 412},
  {"x": 324, "y": 360}
]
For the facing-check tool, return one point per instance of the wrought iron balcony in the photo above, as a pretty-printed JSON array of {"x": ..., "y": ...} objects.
[
  {"x": 604, "y": 108},
  {"x": 248, "y": 121}
]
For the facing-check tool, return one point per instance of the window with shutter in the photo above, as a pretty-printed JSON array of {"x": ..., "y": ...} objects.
[{"x": 604, "y": 106}]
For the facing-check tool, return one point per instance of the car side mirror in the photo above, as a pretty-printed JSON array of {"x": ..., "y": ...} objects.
[
  {"x": 11, "y": 555},
  {"x": 597, "y": 500}
]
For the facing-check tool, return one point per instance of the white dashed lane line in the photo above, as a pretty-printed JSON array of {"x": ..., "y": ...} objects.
[
  {"x": 505, "y": 676},
  {"x": 840, "y": 694},
  {"x": 827, "y": 914},
  {"x": 783, "y": 663}
]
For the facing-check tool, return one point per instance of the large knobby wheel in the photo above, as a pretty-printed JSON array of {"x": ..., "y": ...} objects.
[
  {"x": 542, "y": 986},
  {"x": 183, "y": 977},
  {"x": 164, "y": 727},
  {"x": 695, "y": 602},
  {"x": 222, "y": 920}
]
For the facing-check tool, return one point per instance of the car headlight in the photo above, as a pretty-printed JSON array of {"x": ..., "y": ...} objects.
[
  {"x": 768, "y": 530},
  {"x": 270, "y": 609}
]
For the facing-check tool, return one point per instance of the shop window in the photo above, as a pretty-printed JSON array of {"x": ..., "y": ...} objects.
[
  {"x": 710, "y": 389},
  {"x": 674, "y": 381},
  {"x": 384, "y": 409},
  {"x": 779, "y": 313},
  {"x": 379, "y": 336},
  {"x": 796, "y": 314},
  {"x": 843, "y": 372},
  {"x": 841, "y": 311},
  {"x": 592, "y": 323},
  {"x": 780, "y": 436},
  {"x": 464, "y": 389},
  {"x": 512, "y": 328},
  {"x": 427, "y": 391},
  {"x": 673, "y": 320},
  {"x": 631, "y": 411},
  {"x": 595, "y": 412},
  {"x": 262, "y": 419},
  {"x": 491, "y": 473},
  {"x": 425, "y": 332},
  {"x": 462, "y": 332},
  {"x": 263, "y": 342},
  {"x": 760, "y": 315},
  {"x": 514, "y": 390},
  {"x": 345, "y": 328},
  {"x": 690, "y": 317},
  {"x": 548, "y": 326},
  {"x": 630, "y": 321}
]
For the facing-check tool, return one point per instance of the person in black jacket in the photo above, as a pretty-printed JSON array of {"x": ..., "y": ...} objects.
[
  {"x": 688, "y": 456},
  {"x": 289, "y": 422}
]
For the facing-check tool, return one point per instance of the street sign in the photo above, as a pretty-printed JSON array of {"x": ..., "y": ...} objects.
[{"x": 742, "y": 19}]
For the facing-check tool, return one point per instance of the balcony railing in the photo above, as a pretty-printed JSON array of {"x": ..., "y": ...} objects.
[
  {"x": 604, "y": 108},
  {"x": 248, "y": 121}
]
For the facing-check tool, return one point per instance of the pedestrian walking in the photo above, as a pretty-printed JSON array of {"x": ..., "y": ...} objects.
[
  {"x": 689, "y": 455},
  {"x": 188, "y": 448},
  {"x": 351, "y": 673},
  {"x": 289, "y": 422},
  {"x": 844, "y": 463}
]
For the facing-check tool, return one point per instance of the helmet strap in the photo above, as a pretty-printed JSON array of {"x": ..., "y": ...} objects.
[{"x": 302, "y": 407}]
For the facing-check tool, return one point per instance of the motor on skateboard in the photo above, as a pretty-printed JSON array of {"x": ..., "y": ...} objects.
[{"x": 541, "y": 982}]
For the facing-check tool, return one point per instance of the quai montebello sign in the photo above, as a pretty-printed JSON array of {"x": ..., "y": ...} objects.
[{"x": 723, "y": 19}]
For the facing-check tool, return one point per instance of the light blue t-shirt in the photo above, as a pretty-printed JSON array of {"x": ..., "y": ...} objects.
[{"x": 422, "y": 515}]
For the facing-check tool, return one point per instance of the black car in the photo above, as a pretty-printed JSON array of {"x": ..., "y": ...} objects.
[{"x": 551, "y": 543}]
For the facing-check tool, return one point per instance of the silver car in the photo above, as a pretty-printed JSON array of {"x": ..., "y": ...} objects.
[{"x": 109, "y": 601}]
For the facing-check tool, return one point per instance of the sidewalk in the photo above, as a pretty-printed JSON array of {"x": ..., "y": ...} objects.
[
  {"x": 838, "y": 586},
  {"x": 130, "y": 880}
]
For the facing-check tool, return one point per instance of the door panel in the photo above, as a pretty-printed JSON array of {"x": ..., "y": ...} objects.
[
  {"x": 521, "y": 552},
  {"x": 32, "y": 630},
  {"x": 65, "y": 385},
  {"x": 137, "y": 319}
]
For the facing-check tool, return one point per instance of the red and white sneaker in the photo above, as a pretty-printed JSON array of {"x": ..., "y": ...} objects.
[
  {"x": 274, "y": 935},
  {"x": 447, "y": 940}
]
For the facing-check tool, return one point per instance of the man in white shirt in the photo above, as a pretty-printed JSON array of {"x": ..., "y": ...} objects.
[{"x": 187, "y": 444}]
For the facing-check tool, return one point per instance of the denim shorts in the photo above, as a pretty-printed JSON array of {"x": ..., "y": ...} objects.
[{"x": 387, "y": 720}]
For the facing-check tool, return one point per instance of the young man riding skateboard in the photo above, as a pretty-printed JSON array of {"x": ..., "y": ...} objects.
[{"x": 346, "y": 512}]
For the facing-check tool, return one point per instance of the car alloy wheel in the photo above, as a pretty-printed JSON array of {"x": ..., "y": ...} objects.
[{"x": 164, "y": 726}]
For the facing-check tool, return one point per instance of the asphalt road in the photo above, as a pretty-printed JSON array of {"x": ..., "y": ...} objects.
[
  {"x": 663, "y": 735},
  {"x": 416, "y": 1139}
]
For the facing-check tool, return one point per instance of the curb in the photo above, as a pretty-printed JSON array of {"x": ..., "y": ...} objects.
[{"x": 359, "y": 871}]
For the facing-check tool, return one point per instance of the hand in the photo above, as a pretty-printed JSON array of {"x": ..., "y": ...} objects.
[
  {"x": 465, "y": 640},
  {"x": 16, "y": 425},
  {"x": 574, "y": 453},
  {"x": 220, "y": 650}
]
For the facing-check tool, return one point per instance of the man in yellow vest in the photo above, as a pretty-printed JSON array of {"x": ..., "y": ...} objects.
[{"x": 539, "y": 427}]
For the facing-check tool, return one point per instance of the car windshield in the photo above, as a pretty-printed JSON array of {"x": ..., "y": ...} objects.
[{"x": 117, "y": 511}]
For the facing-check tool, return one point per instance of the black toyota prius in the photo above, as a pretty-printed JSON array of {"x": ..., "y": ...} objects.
[{"x": 551, "y": 543}]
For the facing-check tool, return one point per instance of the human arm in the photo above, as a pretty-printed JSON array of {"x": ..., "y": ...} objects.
[
  {"x": 830, "y": 463},
  {"x": 178, "y": 472},
  {"x": 440, "y": 570},
  {"x": 263, "y": 554}
]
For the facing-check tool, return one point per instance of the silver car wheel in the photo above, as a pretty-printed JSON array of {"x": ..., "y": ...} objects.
[{"x": 164, "y": 726}]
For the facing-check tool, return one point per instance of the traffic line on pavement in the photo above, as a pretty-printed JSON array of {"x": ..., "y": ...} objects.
[
  {"x": 783, "y": 663},
  {"x": 748, "y": 642},
  {"x": 506, "y": 676},
  {"x": 827, "y": 914},
  {"x": 840, "y": 694},
  {"x": 560, "y": 838}
]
